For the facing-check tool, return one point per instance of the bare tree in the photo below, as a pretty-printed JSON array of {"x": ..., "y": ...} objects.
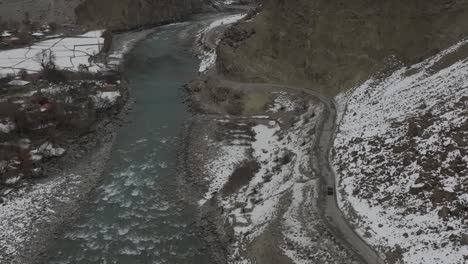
[
  {"x": 47, "y": 60},
  {"x": 49, "y": 69}
]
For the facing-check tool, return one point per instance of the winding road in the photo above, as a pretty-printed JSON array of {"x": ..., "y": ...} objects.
[
  {"x": 329, "y": 204},
  {"x": 331, "y": 212}
]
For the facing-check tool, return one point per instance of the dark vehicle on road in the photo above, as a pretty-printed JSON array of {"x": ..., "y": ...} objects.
[{"x": 330, "y": 191}]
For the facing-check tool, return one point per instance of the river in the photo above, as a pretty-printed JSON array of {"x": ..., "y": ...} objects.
[{"x": 136, "y": 215}]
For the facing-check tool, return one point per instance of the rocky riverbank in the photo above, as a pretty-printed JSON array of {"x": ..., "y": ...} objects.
[
  {"x": 247, "y": 161},
  {"x": 248, "y": 152},
  {"x": 34, "y": 214}
]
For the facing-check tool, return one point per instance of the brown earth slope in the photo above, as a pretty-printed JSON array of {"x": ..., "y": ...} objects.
[
  {"x": 127, "y": 14},
  {"x": 116, "y": 14},
  {"x": 59, "y": 11},
  {"x": 336, "y": 44}
]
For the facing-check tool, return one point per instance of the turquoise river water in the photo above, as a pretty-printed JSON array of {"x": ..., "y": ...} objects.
[{"x": 136, "y": 215}]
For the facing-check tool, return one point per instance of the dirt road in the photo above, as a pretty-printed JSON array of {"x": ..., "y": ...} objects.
[{"x": 331, "y": 213}]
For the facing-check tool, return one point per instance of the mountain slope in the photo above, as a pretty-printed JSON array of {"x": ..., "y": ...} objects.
[
  {"x": 59, "y": 11},
  {"x": 116, "y": 14},
  {"x": 402, "y": 156},
  {"x": 127, "y": 14},
  {"x": 334, "y": 45}
]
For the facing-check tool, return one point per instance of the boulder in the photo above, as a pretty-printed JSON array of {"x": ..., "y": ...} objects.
[
  {"x": 439, "y": 196},
  {"x": 464, "y": 239},
  {"x": 444, "y": 212}
]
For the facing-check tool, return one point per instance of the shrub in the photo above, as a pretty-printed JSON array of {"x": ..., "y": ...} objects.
[
  {"x": 26, "y": 19},
  {"x": 26, "y": 164},
  {"x": 24, "y": 38},
  {"x": 47, "y": 60},
  {"x": 21, "y": 121},
  {"x": 49, "y": 70},
  {"x": 35, "y": 26},
  {"x": 53, "y": 26},
  {"x": 13, "y": 24},
  {"x": 235, "y": 107},
  {"x": 83, "y": 68},
  {"x": 3, "y": 25},
  {"x": 219, "y": 94},
  {"x": 8, "y": 109},
  {"x": 23, "y": 74},
  {"x": 107, "y": 35}
]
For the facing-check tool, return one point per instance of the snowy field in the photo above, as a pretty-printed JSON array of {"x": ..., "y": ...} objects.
[
  {"x": 401, "y": 153},
  {"x": 70, "y": 53}
]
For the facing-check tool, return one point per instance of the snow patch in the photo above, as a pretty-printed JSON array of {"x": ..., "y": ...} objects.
[
  {"x": 106, "y": 99},
  {"x": 70, "y": 53},
  {"x": 21, "y": 210},
  {"x": 6, "y": 126},
  {"x": 396, "y": 136},
  {"x": 208, "y": 55}
]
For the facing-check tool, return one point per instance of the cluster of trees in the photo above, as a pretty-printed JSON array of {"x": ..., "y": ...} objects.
[
  {"x": 25, "y": 25},
  {"x": 23, "y": 29},
  {"x": 61, "y": 122}
]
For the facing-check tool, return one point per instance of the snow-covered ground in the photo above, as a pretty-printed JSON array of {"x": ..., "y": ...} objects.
[
  {"x": 70, "y": 53},
  {"x": 224, "y": 2},
  {"x": 262, "y": 179},
  {"x": 221, "y": 169},
  {"x": 106, "y": 99},
  {"x": 22, "y": 209},
  {"x": 123, "y": 43},
  {"x": 208, "y": 54},
  {"x": 401, "y": 155}
]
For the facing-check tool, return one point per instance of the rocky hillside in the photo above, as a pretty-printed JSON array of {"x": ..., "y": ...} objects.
[
  {"x": 337, "y": 44},
  {"x": 59, "y": 11},
  {"x": 401, "y": 154},
  {"x": 127, "y": 14},
  {"x": 116, "y": 14}
]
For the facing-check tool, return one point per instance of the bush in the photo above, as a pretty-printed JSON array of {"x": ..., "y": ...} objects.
[
  {"x": 53, "y": 26},
  {"x": 83, "y": 68},
  {"x": 49, "y": 70},
  {"x": 235, "y": 107},
  {"x": 26, "y": 164},
  {"x": 35, "y": 26},
  {"x": 107, "y": 35},
  {"x": 24, "y": 38},
  {"x": 21, "y": 121},
  {"x": 8, "y": 109},
  {"x": 26, "y": 19},
  {"x": 3, "y": 25},
  {"x": 23, "y": 74},
  {"x": 13, "y": 24},
  {"x": 47, "y": 59},
  {"x": 219, "y": 94}
]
